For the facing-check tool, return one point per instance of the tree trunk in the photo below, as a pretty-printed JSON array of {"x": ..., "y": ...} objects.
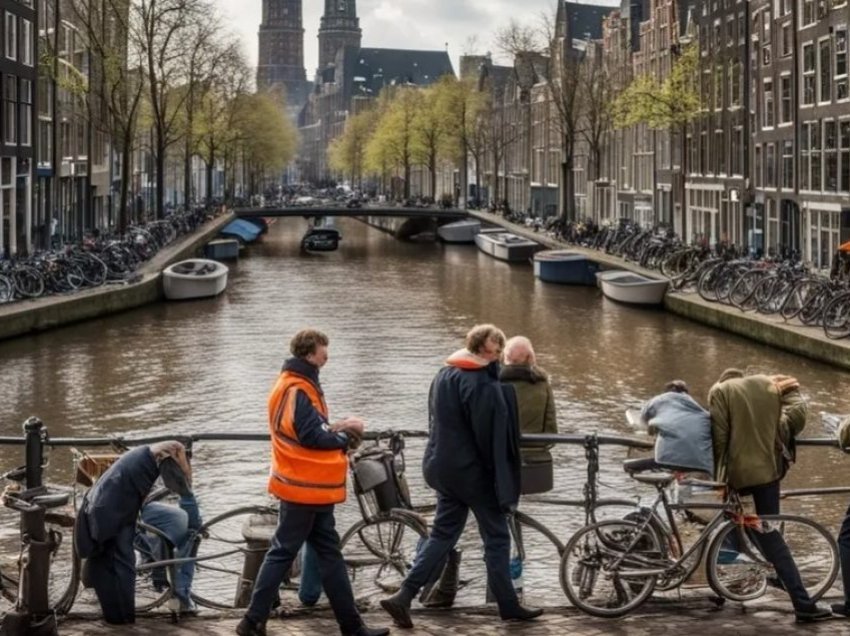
[
  {"x": 187, "y": 173},
  {"x": 683, "y": 192},
  {"x": 209, "y": 177},
  {"x": 126, "y": 158},
  {"x": 568, "y": 199},
  {"x": 160, "y": 180},
  {"x": 433, "y": 170}
]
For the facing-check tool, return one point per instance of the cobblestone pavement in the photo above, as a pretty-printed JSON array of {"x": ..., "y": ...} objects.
[{"x": 680, "y": 617}]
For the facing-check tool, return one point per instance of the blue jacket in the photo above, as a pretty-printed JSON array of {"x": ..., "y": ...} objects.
[
  {"x": 472, "y": 452},
  {"x": 114, "y": 502},
  {"x": 683, "y": 428}
]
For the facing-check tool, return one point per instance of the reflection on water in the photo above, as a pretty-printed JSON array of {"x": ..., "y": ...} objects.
[{"x": 393, "y": 312}]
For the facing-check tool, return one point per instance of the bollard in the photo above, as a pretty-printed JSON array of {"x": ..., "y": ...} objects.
[
  {"x": 258, "y": 532},
  {"x": 35, "y": 436}
]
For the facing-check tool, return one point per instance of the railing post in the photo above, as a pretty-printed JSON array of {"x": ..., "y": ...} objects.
[{"x": 35, "y": 435}]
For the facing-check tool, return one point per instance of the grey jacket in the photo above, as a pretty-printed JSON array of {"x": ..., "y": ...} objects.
[{"x": 683, "y": 428}]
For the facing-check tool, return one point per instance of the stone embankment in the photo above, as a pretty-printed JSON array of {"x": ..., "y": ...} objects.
[
  {"x": 770, "y": 330},
  {"x": 28, "y": 316}
]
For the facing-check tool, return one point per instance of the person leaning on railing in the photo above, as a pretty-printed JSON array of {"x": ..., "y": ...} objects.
[
  {"x": 843, "y": 609},
  {"x": 755, "y": 419}
]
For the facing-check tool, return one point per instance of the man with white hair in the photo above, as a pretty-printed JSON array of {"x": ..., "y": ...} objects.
[{"x": 535, "y": 402}]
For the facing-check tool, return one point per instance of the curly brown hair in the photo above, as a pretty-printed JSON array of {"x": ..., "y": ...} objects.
[
  {"x": 480, "y": 335},
  {"x": 306, "y": 341}
]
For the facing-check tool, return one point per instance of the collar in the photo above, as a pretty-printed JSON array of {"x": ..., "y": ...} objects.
[
  {"x": 468, "y": 361},
  {"x": 304, "y": 369}
]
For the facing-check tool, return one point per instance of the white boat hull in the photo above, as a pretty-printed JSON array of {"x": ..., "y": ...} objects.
[
  {"x": 505, "y": 246},
  {"x": 459, "y": 231},
  {"x": 185, "y": 286},
  {"x": 632, "y": 289}
]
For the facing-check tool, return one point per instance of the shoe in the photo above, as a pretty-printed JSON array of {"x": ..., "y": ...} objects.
[
  {"x": 816, "y": 613},
  {"x": 520, "y": 613},
  {"x": 369, "y": 631},
  {"x": 247, "y": 627},
  {"x": 840, "y": 610},
  {"x": 399, "y": 610}
]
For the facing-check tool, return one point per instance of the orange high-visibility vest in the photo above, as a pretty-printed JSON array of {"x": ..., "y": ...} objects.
[{"x": 299, "y": 474}]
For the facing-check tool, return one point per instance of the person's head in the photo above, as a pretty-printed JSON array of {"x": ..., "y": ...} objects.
[
  {"x": 486, "y": 341},
  {"x": 311, "y": 346},
  {"x": 730, "y": 374},
  {"x": 676, "y": 386},
  {"x": 174, "y": 467},
  {"x": 518, "y": 350}
]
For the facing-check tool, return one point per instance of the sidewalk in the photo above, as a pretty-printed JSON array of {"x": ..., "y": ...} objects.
[{"x": 679, "y": 618}]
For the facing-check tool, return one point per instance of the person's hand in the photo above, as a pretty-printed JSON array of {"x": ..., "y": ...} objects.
[{"x": 353, "y": 425}]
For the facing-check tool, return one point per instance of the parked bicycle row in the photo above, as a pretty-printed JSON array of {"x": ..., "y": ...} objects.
[{"x": 97, "y": 260}]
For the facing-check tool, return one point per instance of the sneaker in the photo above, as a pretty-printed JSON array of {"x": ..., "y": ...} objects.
[
  {"x": 247, "y": 627},
  {"x": 840, "y": 610},
  {"x": 816, "y": 613}
]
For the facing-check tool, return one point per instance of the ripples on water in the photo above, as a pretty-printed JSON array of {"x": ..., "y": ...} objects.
[{"x": 393, "y": 312}]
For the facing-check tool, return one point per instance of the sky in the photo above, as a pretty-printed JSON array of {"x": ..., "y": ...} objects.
[{"x": 400, "y": 24}]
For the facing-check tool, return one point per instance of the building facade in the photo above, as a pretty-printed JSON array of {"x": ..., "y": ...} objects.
[
  {"x": 281, "y": 52},
  {"x": 18, "y": 77}
]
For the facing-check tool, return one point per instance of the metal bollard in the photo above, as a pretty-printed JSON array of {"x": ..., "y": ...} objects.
[
  {"x": 258, "y": 532},
  {"x": 36, "y": 434}
]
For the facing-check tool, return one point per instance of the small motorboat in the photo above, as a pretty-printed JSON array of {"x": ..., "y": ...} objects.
[
  {"x": 321, "y": 239},
  {"x": 506, "y": 246},
  {"x": 222, "y": 249},
  {"x": 463, "y": 231},
  {"x": 194, "y": 278},
  {"x": 631, "y": 288},
  {"x": 564, "y": 267}
]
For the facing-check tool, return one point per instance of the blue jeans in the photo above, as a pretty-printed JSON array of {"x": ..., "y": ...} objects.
[
  {"x": 179, "y": 525},
  {"x": 315, "y": 525},
  {"x": 310, "y": 585}
]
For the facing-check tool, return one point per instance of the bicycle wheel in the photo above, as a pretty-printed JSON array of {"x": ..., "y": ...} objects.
[
  {"x": 542, "y": 551},
  {"x": 600, "y": 569},
  {"x": 379, "y": 552},
  {"x": 738, "y": 571},
  {"x": 64, "y": 575},
  {"x": 7, "y": 290},
  {"x": 227, "y": 548},
  {"x": 836, "y": 317},
  {"x": 154, "y": 585}
]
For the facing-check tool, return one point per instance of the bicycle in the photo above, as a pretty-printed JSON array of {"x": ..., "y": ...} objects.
[{"x": 609, "y": 568}]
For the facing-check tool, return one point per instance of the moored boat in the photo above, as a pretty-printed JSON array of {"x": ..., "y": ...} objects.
[
  {"x": 194, "y": 278},
  {"x": 565, "y": 267},
  {"x": 463, "y": 231},
  {"x": 631, "y": 288},
  {"x": 321, "y": 239},
  {"x": 241, "y": 229},
  {"x": 506, "y": 246}
]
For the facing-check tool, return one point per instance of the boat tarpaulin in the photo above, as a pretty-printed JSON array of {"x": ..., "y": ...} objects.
[{"x": 241, "y": 229}]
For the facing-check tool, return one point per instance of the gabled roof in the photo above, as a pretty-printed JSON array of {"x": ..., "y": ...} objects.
[
  {"x": 585, "y": 20},
  {"x": 368, "y": 70}
]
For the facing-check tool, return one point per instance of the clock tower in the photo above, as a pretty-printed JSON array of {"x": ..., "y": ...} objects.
[
  {"x": 340, "y": 27},
  {"x": 281, "y": 55}
]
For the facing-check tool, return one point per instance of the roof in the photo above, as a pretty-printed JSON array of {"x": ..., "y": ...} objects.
[
  {"x": 586, "y": 19},
  {"x": 376, "y": 68}
]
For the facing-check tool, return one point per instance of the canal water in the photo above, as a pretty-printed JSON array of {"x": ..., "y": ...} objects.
[{"x": 393, "y": 312}]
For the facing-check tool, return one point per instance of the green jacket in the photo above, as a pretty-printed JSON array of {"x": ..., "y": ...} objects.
[
  {"x": 750, "y": 422},
  {"x": 536, "y": 406}
]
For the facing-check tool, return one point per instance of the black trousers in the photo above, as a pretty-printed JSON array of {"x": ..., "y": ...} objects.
[
  {"x": 112, "y": 573},
  {"x": 774, "y": 548},
  {"x": 448, "y": 525},
  {"x": 844, "y": 553},
  {"x": 316, "y": 526}
]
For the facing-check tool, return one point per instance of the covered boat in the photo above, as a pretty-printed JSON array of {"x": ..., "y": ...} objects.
[
  {"x": 634, "y": 289},
  {"x": 463, "y": 231},
  {"x": 506, "y": 246},
  {"x": 321, "y": 239},
  {"x": 194, "y": 278},
  {"x": 241, "y": 229},
  {"x": 564, "y": 267}
]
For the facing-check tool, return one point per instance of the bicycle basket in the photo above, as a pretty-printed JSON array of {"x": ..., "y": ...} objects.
[
  {"x": 90, "y": 466},
  {"x": 375, "y": 473}
]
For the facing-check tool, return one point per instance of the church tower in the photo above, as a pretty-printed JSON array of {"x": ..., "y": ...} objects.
[
  {"x": 340, "y": 27},
  {"x": 281, "y": 58}
]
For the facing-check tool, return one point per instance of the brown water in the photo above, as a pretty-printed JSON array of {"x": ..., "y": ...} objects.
[{"x": 393, "y": 312}]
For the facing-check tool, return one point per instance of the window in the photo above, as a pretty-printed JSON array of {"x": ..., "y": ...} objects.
[
  {"x": 830, "y": 156},
  {"x": 737, "y": 149},
  {"x": 10, "y": 104},
  {"x": 841, "y": 89},
  {"x": 770, "y": 165},
  {"x": 816, "y": 177},
  {"x": 825, "y": 71},
  {"x": 25, "y": 99},
  {"x": 735, "y": 84},
  {"x": 807, "y": 10},
  {"x": 844, "y": 150},
  {"x": 788, "y": 164},
  {"x": 785, "y": 107},
  {"x": 11, "y": 36},
  {"x": 720, "y": 151},
  {"x": 805, "y": 156},
  {"x": 718, "y": 87},
  {"x": 767, "y": 120},
  {"x": 809, "y": 64},
  {"x": 26, "y": 43},
  {"x": 757, "y": 168},
  {"x": 787, "y": 39}
]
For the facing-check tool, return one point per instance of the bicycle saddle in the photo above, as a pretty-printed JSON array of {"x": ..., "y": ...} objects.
[{"x": 51, "y": 501}]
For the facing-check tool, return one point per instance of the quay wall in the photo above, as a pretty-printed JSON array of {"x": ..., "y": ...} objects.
[
  {"x": 29, "y": 316},
  {"x": 810, "y": 342}
]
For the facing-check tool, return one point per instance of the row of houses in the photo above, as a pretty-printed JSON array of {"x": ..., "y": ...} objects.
[{"x": 765, "y": 162}]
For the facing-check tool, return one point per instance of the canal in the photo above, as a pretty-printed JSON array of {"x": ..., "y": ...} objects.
[{"x": 393, "y": 312}]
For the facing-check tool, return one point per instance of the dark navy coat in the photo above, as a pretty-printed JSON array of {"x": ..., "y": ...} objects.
[{"x": 472, "y": 452}]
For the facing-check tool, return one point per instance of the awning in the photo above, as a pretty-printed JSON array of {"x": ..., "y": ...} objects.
[{"x": 844, "y": 247}]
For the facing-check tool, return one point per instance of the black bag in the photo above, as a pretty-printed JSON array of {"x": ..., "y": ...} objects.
[
  {"x": 375, "y": 472},
  {"x": 536, "y": 477}
]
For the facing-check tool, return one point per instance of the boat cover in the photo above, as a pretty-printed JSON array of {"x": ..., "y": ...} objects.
[{"x": 242, "y": 229}]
